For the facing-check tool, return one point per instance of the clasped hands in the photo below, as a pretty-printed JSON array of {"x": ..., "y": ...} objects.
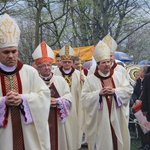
[
  {"x": 107, "y": 91},
  {"x": 13, "y": 98}
]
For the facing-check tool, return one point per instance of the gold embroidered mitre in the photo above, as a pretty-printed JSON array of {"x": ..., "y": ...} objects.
[
  {"x": 110, "y": 42},
  {"x": 9, "y": 32},
  {"x": 43, "y": 53},
  {"x": 67, "y": 52},
  {"x": 101, "y": 52}
]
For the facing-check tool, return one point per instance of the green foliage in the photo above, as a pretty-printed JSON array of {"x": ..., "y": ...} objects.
[{"x": 81, "y": 23}]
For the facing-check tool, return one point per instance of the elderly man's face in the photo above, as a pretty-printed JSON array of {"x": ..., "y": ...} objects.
[
  {"x": 9, "y": 56},
  {"x": 104, "y": 66},
  {"x": 67, "y": 64},
  {"x": 44, "y": 69}
]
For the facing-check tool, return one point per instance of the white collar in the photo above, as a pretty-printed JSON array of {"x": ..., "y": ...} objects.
[
  {"x": 102, "y": 74},
  {"x": 67, "y": 71},
  {"x": 46, "y": 78},
  {"x": 6, "y": 68}
]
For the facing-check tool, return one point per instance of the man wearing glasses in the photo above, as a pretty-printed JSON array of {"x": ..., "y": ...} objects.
[{"x": 62, "y": 110}]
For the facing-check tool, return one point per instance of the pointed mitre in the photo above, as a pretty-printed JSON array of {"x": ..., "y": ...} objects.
[
  {"x": 43, "y": 53},
  {"x": 101, "y": 52},
  {"x": 9, "y": 32},
  {"x": 67, "y": 52},
  {"x": 110, "y": 42}
]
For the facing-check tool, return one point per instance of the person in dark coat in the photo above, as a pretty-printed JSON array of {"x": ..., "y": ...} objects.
[
  {"x": 137, "y": 94},
  {"x": 145, "y": 98}
]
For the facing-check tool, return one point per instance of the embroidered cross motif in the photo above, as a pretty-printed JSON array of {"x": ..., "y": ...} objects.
[
  {"x": 9, "y": 31},
  {"x": 102, "y": 46}
]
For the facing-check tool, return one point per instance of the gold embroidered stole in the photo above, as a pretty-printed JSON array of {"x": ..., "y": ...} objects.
[
  {"x": 11, "y": 83},
  {"x": 67, "y": 77},
  {"x": 68, "y": 80}
]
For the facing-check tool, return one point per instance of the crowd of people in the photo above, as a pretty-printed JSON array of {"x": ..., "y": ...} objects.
[{"x": 45, "y": 109}]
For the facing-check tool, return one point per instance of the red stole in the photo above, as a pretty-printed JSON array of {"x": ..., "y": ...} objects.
[{"x": 114, "y": 65}]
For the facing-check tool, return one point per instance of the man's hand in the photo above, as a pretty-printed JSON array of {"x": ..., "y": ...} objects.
[
  {"x": 82, "y": 77},
  {"x": 13, "y": 98},
  {"x": 103, "y": 91},
  {"x": 110, "y": 91},
  {"x": 53, "y": 102},
  {"x": 107, "y": 91}
]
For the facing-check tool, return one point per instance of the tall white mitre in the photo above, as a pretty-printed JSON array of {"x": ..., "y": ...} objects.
[
  {"x": 67, "y": 52},
  {"x": 110, "y": 42},
  {"x": 9, "y": 32},
  {"x": 43, "y": 53},
  {"x": 101, "y": 52}
]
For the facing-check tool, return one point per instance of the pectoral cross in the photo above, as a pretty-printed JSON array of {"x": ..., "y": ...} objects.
[{"x": 108, "y": 96}]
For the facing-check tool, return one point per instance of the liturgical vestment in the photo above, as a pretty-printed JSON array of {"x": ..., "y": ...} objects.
[
  {"x": 98, "y": 122},
  {"x": 37, "y": 101},
  {"x": 65, "y": 128},
  {"x": 75, "y": 88}
]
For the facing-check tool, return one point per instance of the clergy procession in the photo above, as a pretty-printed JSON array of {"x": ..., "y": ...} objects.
[{"x": 42, "y": 108}]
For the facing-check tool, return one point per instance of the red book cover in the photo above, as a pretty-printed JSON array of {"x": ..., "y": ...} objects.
[{"x": 54, "y": 92}]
